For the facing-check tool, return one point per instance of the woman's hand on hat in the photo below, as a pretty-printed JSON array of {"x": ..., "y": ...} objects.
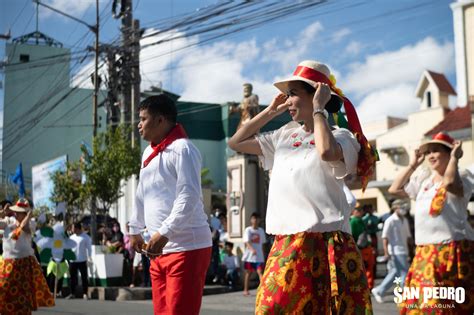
[
  {"x": 457, "y": 152},
  {"x": 279, "y": 104},
  {"x": 418, "y": 159},
  {"x": 321, "y": 96}
]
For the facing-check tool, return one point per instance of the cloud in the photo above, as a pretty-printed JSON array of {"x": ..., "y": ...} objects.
[
  {"x": 402, "y": 66},
  {"x": 354, "y": 48},
  {"x": 395, "y": 101},
  {"x": 340, "y": 34},
  {"x": 286, "y": 53},
  {"x": 75, "y": 8}
]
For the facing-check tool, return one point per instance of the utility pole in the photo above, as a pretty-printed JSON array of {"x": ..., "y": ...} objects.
[{"x": 136, "y": 80}]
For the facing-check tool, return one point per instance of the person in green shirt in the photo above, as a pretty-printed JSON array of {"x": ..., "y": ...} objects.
[{"x": 361, "y": 236}]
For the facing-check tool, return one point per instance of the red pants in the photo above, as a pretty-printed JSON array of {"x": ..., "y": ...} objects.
[
  {"x": 178, "y": 280},
  {"x": 369, "y": 261}
]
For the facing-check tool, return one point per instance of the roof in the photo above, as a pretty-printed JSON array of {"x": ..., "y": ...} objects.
[
  {"x": 459, "y": 118},
  {"x": 438, "y": 79},
  {"x": 441, "y": 82}
]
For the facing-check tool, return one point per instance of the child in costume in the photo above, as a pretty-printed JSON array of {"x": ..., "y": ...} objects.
[{"x": 23, "y": 287}]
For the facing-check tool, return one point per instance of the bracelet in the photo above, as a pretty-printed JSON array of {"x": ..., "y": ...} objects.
[{"x": 322, "y": 112}]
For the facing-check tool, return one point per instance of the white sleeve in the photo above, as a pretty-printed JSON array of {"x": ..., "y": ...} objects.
[
  {"x": 407, "y": 228},
  {"x": 236, "y": 261},
  {"x": 246, "y": 238},
  {"x": 3, "y": 223},
  {"x": 350, "y": 150},
  {"x": 267, "y": 144},
  {"x": 137, "y": 219},
  {"x": 386, "y": 228},
  {"x": 188, "y": 191}
]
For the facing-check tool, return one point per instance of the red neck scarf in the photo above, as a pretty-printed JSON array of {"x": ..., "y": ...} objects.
[{"x": 176, "y": 133}]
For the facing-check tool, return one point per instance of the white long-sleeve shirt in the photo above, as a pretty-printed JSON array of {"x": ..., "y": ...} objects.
[
  {"x": 169, "y": 198},
  {"x": 83, "y": 248}
]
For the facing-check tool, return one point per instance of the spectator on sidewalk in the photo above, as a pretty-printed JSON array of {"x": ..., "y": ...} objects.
[
  {"x": 371, "y": 222},
  {"x": 395, "y": 236},
  {"x": 254, "y": 238},
  {"x": 83, "y": 252},
  {"x": 231, "y": 266}
]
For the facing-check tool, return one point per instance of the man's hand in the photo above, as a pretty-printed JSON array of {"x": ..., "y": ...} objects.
[
  {"x": 137, "y": 242},
  {"x": 156, "y": 244}
]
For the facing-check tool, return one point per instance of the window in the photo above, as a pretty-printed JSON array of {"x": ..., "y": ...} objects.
[
  {"x": 428, "y": 99},
  {"x": 24, "y": 58}
]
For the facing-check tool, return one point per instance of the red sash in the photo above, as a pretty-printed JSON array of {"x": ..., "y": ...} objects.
[{"x": 176, "y": 133}]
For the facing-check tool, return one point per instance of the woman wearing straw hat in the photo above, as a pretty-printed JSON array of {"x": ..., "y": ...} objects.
[
  {"x": 314, "y": 266},
  {"x": 445, "y": 240},
  {"x": 23, "y": 287}
]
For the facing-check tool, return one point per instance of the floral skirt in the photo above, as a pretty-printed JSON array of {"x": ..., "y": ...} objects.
[
  {"x": 314, "y": 273},
  {"x": 441, "y": 265},
  {"x": 23, "y": 287}
]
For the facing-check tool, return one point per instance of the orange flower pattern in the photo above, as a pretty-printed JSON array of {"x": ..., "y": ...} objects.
[
  {"x": 438, "y": 202},
  {"x": 23, "y": 287},
  {"x": 314, "y": 273}
]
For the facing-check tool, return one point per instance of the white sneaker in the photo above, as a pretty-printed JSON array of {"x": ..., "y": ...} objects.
[
  {"x": 377, "y": 296},
  {"x": 85, "y": 297}
]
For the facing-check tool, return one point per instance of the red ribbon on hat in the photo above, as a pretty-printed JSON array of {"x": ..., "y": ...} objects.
[
  {"x": 441, "y": 136},
  {"x": 367, "y": 155},
  {"x": 176, "y": 133},
  {"x": 22, "y": 204}
]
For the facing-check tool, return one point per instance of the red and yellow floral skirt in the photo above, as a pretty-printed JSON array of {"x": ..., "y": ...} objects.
[
  {"x": 23, "y": 287},
  {"x": 441, "y": 265},
  {"x": 314, "y": 273}
]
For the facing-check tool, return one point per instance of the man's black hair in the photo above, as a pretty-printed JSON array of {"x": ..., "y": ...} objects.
[
  {"x": 160, "y": 105},
  {"x": 255, "y": 215},
  {"x": 78, "y": 225},
  {"x": 230, "y": 244}
]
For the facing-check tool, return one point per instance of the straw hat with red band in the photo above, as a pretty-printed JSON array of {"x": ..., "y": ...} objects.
[
  {"x": 312, "y": 72},
  {"x": 22, "y": 205},
  {"x": 440, "y": 138}
]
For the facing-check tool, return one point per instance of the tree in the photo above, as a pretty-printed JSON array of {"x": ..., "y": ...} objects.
[
  {"x": 69, "y": 189},
  {"x": 113, "y": 160},
  {"x": 206, "y": 182}
]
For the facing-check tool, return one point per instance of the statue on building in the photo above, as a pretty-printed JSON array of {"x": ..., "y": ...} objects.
[{"x": 248, "y": 107}]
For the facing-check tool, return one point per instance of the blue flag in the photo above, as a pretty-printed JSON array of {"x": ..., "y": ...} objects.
[{"x": 18, "y": 180}]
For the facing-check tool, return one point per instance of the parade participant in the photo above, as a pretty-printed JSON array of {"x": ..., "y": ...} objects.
[
  {"x": 23, "y": 287},
  {"x": 314, "y": 266},
  {"x": 169, "y": 203},
  {"x": 444, "y": 239},
  {"x": 254, "y": 238}
]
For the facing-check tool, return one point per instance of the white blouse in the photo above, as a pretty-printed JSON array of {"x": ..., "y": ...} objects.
[
  {"x": 306, "y": 193},
  {"x": 15, "y": 249},
  {"x": 451, "y": 224}
]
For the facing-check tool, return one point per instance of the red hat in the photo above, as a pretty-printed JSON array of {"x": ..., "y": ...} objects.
[{"x": 441, "y": 138}]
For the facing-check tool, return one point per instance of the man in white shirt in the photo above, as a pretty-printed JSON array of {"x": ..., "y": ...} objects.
[
  {"x": 169, "y": 203},
  {"x": 82, "y": 250},
  {"x": 396, "y": 236}
]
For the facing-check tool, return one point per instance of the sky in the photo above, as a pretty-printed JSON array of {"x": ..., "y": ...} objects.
[{"x": 377, "y": 49}]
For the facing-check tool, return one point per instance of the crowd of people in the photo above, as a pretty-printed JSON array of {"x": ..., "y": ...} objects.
[{"x": 325, "y": 248}]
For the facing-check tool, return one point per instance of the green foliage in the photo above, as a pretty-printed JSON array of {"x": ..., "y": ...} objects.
[
  {"x": 205, "y": 182},
  {"x": 68, "y": 188},
  {"x": 113, "y": 160}
]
